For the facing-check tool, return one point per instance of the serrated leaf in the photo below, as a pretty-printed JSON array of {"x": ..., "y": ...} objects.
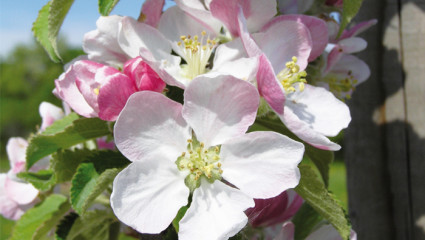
[
  {"x": 65, "y": 225},
  {"x": 93, "y": 177},
  {"x": 179, "y": 216},
  {"x": 93, "y": 226},
  {"x": 305, "y": 220},
  {"x": 106, "y": 6},
  {"x": 41, "y": 32},
  {"x": 314, "y": 192},
  {"x": 58, "y": 10},
  {"x": 50, "y": 224},
  {"x": 35, "y": 218},
  {"x": 81, "y": 130},
  {"x": 65, "y": 163},
  {"x": 322, "y": 159},
  {"x": 61, "y": 124},
  {"x": 350, "y": 9},
  {"x": 43, "y": 180}
]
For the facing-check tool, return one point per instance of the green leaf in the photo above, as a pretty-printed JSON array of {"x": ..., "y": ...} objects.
[
  {"x": 106, "y": 6},
  {"x": 322, "y": 159},
  {"x": 58, "y": 10},
  {"x": 36, "y": 220},
  {"x": 305, "y": 220},
  {"x": 43, "y": 180},
  {"x": 48, "y": 225},
  {"x": 93, "y": 177},
  {"x": 81, "y": 130},
  {"x": 60, "y": 125},
  {"x": 65, "y": 163},
  {"x": 65, "y": 225},
  {"x": 41, "y": 33},
  {"x": 179, "y": 217},
  {"x": 314, "y": 192},
  {"x": 93, "y": 226},
  {"x": 349, "y": 11}
]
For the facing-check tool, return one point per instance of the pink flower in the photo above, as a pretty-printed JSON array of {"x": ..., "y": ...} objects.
[
  {"x": 94, "y": 90},
  {"x": 268, "y": 212},
  {"x": 16, "y": 196},
  {"x": 49, "y": 114},
  {"x": 178, "y": 149}
]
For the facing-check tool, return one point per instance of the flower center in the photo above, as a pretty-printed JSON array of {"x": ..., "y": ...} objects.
[
  {"x": 291, "y": 75},
  {"x": 200, "y": 161},
  {"x": 341, "y": 86},
  {"x": 196, "y": 52}
]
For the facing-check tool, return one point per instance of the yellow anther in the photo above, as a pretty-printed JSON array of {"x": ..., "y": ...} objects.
[
  {"x": 294, "y": 59},
  {"x": 202, "y": 144},
  {"x": 189, "y": 140},
  {"x": 179, "y": 43},
  {"x": 195, "y": 38},
  {"x": 96, "y": 91},
  {"x": 218, "y": 164},
  {"x": 203, "y": 33},
  {"x": 183, "y": 154},
  {"x": 183, "y": 38}
]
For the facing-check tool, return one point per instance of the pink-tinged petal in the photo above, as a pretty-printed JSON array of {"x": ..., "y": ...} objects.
[
  {"x": 151, "y": 10},
  {"x": 268, "y": 158},
  {"x": 220, "y": 107},
  {"x": 350, "y": 65},
  {"x": 287, "y": 232},
  {"x": 268, "y": 85},
  {"x": 284, "y": 40},
  {"x": 242, "y": 68},
  {"x": 358, "y": 28},
  {"x": 49, "y": 114},
  {"x": 199, "y": 11},
  {"x": 21, "y": 193},
  {"x": 101, "y": 45},
  {"x": 114, "y": 94},
  {"x": 89, "y": 77},
  {"x": 151, "y": 124},
  {"x": 8, "y": 208},
  {"x": 216, "y": 212},
  {"x": 345, "y": 46},
  {"x": 229, "y": 51},
  {"x": 147, "y": 195},
  {"x": 175, "y": 23},
  {"x": 317, "y": 27},
  {"x": 167, "y": 68},
  {"x": 315, "y": 113},
  {"x": 251, "y": 47},
  {"x": 134, "y": 35},
  {"x": 226, "y": 12},
  {"x": 268, "y": 212},
  {"x": 67, "y": 90},
  {"x": 144, "y": 76},
  {"x": 16, "y": 148}
]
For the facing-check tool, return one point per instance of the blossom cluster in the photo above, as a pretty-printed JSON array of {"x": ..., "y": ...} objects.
[{"x": 183, "y": 89}]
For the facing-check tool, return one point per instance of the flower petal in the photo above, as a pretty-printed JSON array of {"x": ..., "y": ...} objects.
[
  {"x": 144, "y": 76},
  {"x": 287, "y": 232},
  {"x": 147, "y": 195},
  {"x": 151, "y": 124},
  {"x": 114, "y": 94},
  {"x": 242, "y": 68},
  {"x": 229, "y": 51},
  {"x": 219, "y": 107},
  {"x": 49, "y": 114},
  {"x": 21, "y": 193},
  {"x": 216, "y": 212},
  {"x": 133, "y": 35},
  {"x": 16, "y": 148},
  {"x": 8, "y": 208},
  {"x": 358, "y": 28},
  {"x": 197, "y": 10},
  {"x": 152, "y": 10},
  {"x": 352, "y": 65},
  {"x": 262, "y": 164},
  {"x": 101, "y": 45},
  {"x": 317, "y": 27}
]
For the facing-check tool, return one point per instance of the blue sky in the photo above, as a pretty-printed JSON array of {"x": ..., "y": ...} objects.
[{"x": 17, "y": 16}]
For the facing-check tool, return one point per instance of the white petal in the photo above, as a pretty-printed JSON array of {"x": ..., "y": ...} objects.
[
  {"x": 229, "y": 51},
  {"x": 21, "y": 193},
  {"x": 134, "y": 35},
  {"x": 320, "y": 109},
  {"x": 16, "y": 148},
  {"x": 151, "y": 124},
  {"x": 216, "y": 212},
  {"x": 49, "y": 114},
  {"x": 262, "y": 164},
  {"x": 242, "y": 68},
  {"x": 147, "y": 195},
  {"x": 219, "y": 108}
]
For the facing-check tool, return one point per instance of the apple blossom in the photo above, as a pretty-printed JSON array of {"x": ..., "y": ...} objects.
[
  {"x": 16, "y": 196},
  {"x": 95, "y": 90},
  {"x": 176, "y": 150},
  {"x": 49, "y": 114}
]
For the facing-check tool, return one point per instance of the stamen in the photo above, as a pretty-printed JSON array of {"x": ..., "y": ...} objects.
[{"x": 292, "y": 75}]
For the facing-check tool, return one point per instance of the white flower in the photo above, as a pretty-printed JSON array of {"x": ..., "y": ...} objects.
[{"x": 177, "y": 149}]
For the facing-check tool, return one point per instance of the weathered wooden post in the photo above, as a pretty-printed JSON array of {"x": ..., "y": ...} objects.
[{"x": 385, "y": 143}]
